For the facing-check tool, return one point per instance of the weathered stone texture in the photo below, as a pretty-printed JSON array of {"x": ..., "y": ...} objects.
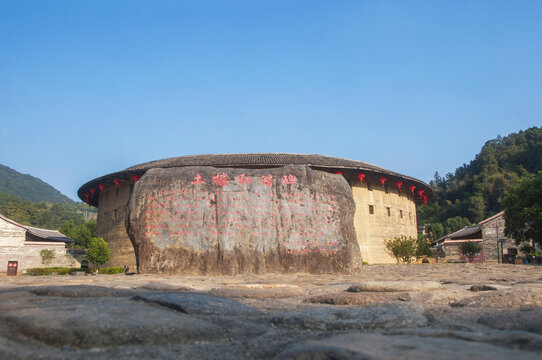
[
  {"x": 226, "y": 221},
  {"x": 492, "y": 230}
]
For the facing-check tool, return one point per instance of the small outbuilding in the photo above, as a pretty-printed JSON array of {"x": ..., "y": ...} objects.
[
  {"x": 20, "y": 247},
  {"x": 489, "y": 234}
]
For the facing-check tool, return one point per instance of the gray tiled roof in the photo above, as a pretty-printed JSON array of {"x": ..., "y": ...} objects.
[
  {"x": 465, "y": 233},
  {"x": 258, "y": 160},
  {"x": 48, "y": 235},
  {"x": 44, "y": 234}
]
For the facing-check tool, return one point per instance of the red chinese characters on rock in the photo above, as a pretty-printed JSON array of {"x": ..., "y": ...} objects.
[
  {"x": 221, "y": 179},
  {"x": 289, "y": 180},
  {"x": 242, "y": 179},
  {"x": 267, "y": 181},
  {"x": 198, "y": 180}
]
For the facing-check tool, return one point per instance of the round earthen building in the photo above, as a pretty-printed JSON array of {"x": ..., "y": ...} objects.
[{"x": 242, "y": 213}]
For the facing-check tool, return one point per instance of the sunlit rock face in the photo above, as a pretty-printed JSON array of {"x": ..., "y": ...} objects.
[{"x": 208, "y": 220}]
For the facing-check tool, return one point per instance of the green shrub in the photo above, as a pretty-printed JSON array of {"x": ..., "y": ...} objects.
[
  {"x": 57, "y": 270},
  {"x": 47, "y": 256},
  {"x": 112, "y": 270},
  {"x": 469, "y": 249},
  {"x": 98, "y": 251},
  {"x": 50, "y": 270},
  {"x": 402, "y": 248},
  {"x": 423, "y": 247},
  {"x": 528, "y": 250}
]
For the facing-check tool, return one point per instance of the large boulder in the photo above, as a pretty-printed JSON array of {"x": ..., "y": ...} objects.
[{"x": 208, "y": 220}]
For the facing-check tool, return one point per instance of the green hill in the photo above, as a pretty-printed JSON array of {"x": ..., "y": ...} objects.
[
  {"x": 29, "y": 188},
  {"x": 475, "y": 191}
]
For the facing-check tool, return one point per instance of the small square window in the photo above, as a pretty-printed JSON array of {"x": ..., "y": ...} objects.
[{"x": 371, "y": 209}]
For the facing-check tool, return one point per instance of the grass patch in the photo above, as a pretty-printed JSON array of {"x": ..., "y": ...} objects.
[{"x": 56, "y": 270}]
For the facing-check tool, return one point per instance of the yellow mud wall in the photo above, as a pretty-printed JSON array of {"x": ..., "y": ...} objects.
[
  {"x": 373, "y": 229},
  {"x": 110, "y": 224}
]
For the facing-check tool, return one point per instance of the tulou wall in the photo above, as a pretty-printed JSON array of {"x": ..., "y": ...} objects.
[
  {"x": 111, "y": 224},
  {"x": 382, "y": 213}
]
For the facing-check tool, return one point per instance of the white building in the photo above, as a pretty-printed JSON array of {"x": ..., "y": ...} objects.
[{"x": 23, "y": 244}]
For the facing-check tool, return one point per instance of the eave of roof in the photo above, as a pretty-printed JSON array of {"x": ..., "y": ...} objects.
[
  {"x": 49, "y": 235},
  {"x": 460, "y": 234},
  {"x": 244, "y": 160}
]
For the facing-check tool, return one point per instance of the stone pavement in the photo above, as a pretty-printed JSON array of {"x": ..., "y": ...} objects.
[{"x": 423, "y": 311}]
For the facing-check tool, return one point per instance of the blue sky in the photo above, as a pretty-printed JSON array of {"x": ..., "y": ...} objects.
[{"x": 92, "y": 87}]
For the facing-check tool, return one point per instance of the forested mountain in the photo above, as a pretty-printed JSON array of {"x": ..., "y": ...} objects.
[
  {"x": 29, "y": 188},
  {"x": 475, "y": 191},
  {"x": 42, "y": 214}
]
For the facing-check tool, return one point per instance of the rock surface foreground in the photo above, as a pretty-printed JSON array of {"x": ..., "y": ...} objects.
[{"x": 280, "y": 316}]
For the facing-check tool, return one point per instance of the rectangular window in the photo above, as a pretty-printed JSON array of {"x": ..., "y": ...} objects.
[
  {"x": 371, "y": 209},
  {"x": 369, "y": 187},
  {"x": 117, "y": 191},
  {"x": 389, "y": 211},
  {"x": 115, "y": 215},
  {"x": 401, "y": 213}
]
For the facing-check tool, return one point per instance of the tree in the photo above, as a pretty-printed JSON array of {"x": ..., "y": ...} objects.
[
  {"x": 476, "y": 190},
  {"x": 82, "y": 234},
  {"x": 98, "y": 251},
  {"x": 47, "y": 256},
  {"x": 402, "y": 248},
  {"x": 523, "y": 210},
  {"x": 527, "y": 250},
  {"x": 469, "y": 249},
  {"x": 423, "y": 247}
]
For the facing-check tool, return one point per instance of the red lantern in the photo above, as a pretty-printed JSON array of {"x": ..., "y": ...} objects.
[
  {"x": 420, "y": 192},
  {"x": 361, "y": 177},
  {"x": 116, "y": 182},
  {"x": 85, "y": 198},
  {"x": 338, "y": 173},
  {"x": 382, "y": 181},
  {"x": 399, "y": 185},
  {"x": 412, "y": 187},
  {"x": 135, "y": 178},
  {"x": 92, "y": 191},
  {"x": 425, "y": 199},
  {"x": 102, "y": 187}
]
